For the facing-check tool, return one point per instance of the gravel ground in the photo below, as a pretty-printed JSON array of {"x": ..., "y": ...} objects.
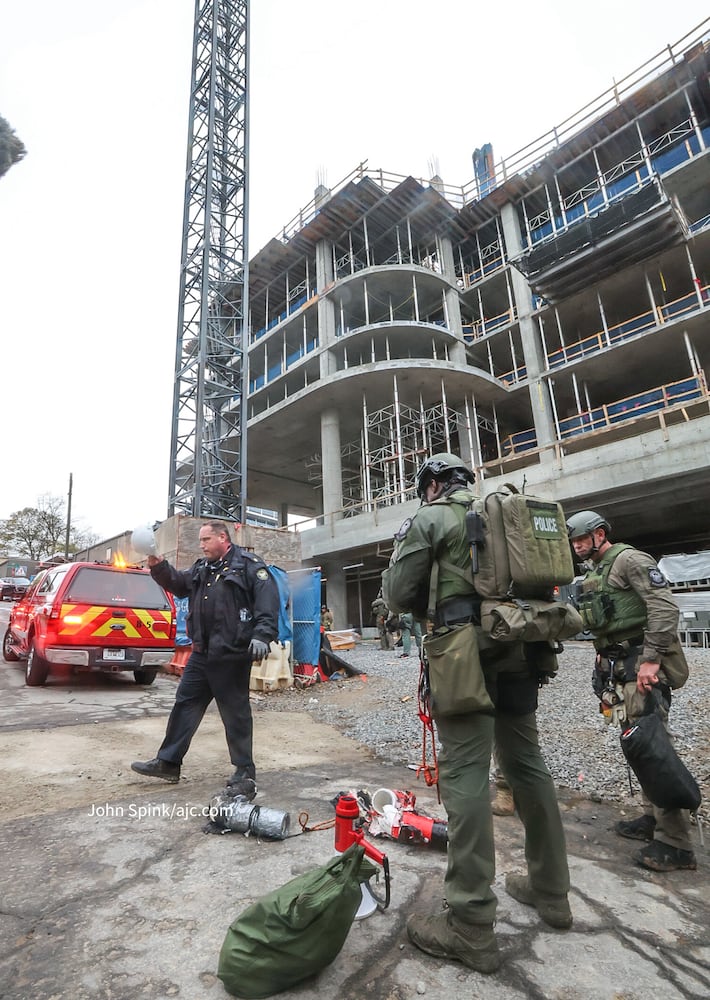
[{"x": 581, "y": 750}]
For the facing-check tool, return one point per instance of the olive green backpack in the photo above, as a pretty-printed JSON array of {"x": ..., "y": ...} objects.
[
  {"x": 295, "y": 931},
  {"x": 523, "y": 548}
]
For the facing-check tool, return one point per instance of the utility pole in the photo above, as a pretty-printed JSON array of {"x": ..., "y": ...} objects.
[
  {"x": 68, "y": 534},
  {"x": 208, "y": 444}
]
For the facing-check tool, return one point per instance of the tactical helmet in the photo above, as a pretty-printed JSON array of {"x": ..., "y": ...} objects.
[
  {"x": 585, "y": 523},
  {"x": 442, "y": 466}
]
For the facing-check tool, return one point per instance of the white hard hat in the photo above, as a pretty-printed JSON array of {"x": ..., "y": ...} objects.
[{"x": 143, "y": 540}]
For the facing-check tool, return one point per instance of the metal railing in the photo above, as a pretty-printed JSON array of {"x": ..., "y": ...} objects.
[
  {"x": 663, "y": 398},
  {"x": 527, "y": 158},
  {"x": 686, "y": 304}
]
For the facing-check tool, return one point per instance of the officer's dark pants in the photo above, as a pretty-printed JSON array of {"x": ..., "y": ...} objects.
[
  {"x": 467, "y": 741},
  {"x": 225, "y": 680}
]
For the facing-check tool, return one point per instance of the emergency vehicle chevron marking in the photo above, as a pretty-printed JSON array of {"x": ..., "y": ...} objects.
[
  {"x": 154, "y": 621},
  {"x": 98, "y": 621}
]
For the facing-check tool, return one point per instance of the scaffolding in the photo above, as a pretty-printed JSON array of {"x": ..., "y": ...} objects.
[{"x": 381, "y": 468}]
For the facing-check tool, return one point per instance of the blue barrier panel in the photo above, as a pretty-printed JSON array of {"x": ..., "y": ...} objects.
[
  {"x": 636, "y": 325},
  {"x": 683, "y": 391},
  {"x": 305, "y": 604}
]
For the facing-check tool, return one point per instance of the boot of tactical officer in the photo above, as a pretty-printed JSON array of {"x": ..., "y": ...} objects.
[
  {"x": 660, "y": 857},
  {"x": 554, "y": 910},
  {"x": 641, "y": 828},
  {"x": 503, "y": 804},
  {"x": 445, "y": 936}
]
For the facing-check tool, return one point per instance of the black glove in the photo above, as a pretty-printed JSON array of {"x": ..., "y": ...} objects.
[{"x": 258, "y": 650}]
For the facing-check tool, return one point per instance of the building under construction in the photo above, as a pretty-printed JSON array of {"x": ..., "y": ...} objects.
[{"x": 549, "y": 322}]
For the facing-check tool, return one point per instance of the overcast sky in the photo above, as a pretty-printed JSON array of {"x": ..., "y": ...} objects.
[{"x": 91, "y": 219}]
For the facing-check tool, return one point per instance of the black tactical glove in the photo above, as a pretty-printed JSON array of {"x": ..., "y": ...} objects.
[{"x": 258, "y": 650}]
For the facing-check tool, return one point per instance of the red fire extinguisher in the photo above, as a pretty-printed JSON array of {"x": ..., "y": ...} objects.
[{"x": 347, "y": 814}]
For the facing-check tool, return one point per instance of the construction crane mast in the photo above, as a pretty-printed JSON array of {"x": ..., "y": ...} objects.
[{"x": 208, "y": 445}]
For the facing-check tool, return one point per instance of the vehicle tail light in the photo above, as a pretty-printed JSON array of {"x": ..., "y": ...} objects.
[{"x": 173, "y": 628}]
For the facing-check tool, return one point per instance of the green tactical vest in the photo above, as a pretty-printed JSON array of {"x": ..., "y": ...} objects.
[{"x": 611, "y": 614}]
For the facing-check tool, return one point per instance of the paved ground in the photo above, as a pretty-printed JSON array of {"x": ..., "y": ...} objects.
[{"x": 109, "y": 888}]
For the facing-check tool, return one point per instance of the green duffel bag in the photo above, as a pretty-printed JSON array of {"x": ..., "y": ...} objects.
[
  {"x": 530, "y": 620},
  {"x": 295, "y": 931}
]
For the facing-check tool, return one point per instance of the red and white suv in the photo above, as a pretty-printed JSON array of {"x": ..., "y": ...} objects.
[{"x": 92, "y": 616}]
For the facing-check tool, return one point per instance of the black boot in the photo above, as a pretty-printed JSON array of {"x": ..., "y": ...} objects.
[
  {"x": 242, "y": 783},
  {"x": 640, "y": 828},
  {"x": 660, "y": 857},
  {"x": 157, "y": 768}
]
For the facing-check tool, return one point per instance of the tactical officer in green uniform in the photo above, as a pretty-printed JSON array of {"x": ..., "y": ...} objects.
[
  {"x": 381, "y": 612},
  {"x": 430, "y": 574},
  {"x": 410, "y": 627},
  {"x": 626, "y": 603}
]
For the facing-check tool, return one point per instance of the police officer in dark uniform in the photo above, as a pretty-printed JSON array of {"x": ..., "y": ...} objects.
[
  {"x": 232, "y": 619},
  {"x": 625, "y": 601},
  {"x": 432, "y": 553}
]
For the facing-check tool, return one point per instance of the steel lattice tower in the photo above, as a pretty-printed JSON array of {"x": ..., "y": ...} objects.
[{"x": 208, "y": 447}]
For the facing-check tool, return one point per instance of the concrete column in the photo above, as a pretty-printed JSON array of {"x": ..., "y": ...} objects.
[
  {"x": 331, "y": 465},
  {"x": 533, "y": 351},
  {"x": 457, "y": 351},
  {"x": 326, "y": 309},
  {"x": 336, "y": 594}
]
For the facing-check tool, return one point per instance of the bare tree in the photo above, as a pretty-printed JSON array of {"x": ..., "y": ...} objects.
[
  {"x": 40, "y": 532},
  {"x": 12, "y": 149}
]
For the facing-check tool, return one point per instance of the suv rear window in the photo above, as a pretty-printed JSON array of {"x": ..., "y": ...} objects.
[{"x": 99, "y": 586}]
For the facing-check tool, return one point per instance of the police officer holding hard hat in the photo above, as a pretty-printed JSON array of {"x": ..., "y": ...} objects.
[
  {"x": 233, "y": 613},
  {"x": 627, "y": 605},
  {"x": 430, "y": 574}
]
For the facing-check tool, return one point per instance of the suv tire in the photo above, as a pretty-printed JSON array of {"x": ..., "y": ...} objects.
[
  {"x": 144, "y": 676},
  {"x": 8, "y": 653},
  {"x": 37, "y": 668}
]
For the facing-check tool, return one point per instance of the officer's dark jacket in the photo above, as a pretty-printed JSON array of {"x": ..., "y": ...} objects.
[{"x": 246, "y": 602}]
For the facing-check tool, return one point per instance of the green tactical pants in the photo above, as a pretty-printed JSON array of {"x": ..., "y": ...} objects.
[
  {"x": 464, "y": 765},
  {"x": 410, "y": 627}
]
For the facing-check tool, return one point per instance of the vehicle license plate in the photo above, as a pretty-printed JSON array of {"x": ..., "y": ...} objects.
[{"x": 114, "y": 654}]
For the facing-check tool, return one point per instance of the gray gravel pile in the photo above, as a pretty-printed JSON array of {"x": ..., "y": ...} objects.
[{"x": 581, "y": 750}]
